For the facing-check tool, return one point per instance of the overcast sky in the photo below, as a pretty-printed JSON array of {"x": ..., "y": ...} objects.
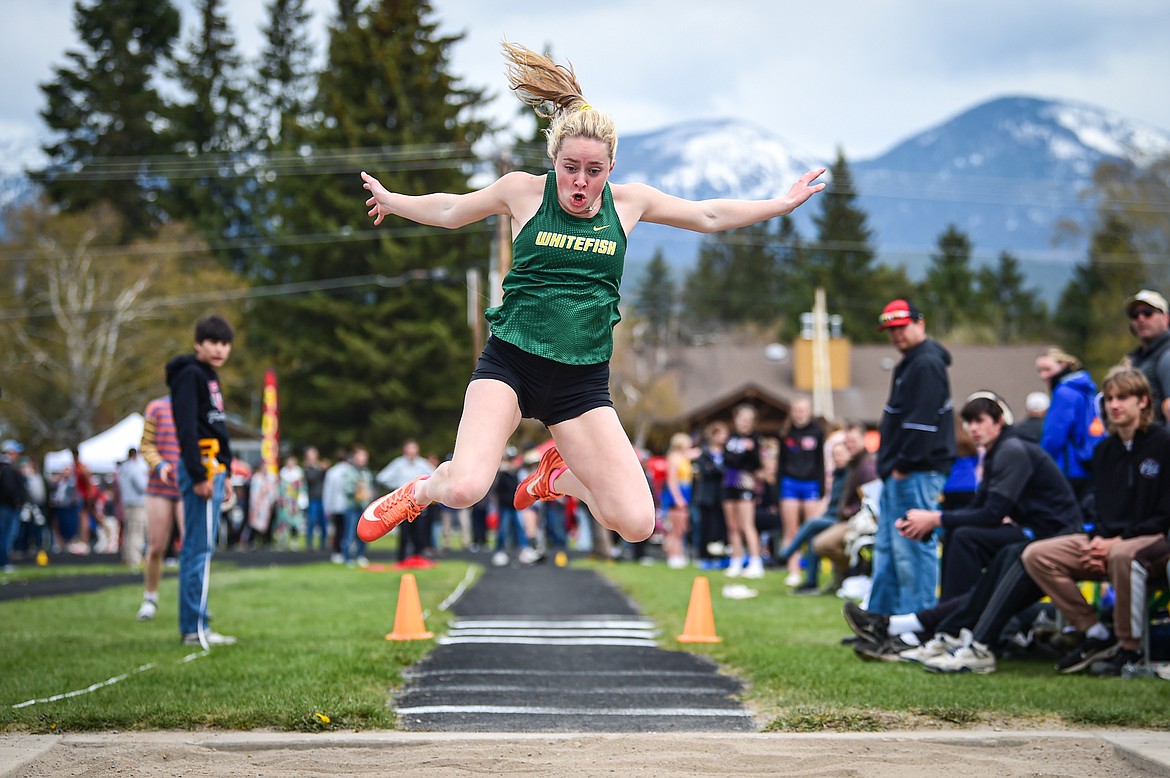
[{"x": 858, "y": 74}]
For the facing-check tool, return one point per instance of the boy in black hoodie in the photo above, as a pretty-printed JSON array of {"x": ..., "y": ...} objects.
[
  {"x": 1132, "y": 470},
  {"x": 205, "y": 455}
]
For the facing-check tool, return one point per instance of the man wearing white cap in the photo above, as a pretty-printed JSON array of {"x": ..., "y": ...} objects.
[{"x": 1149, "y": 322}]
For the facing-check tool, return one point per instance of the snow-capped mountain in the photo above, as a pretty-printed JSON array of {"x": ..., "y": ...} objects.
[{"x": 1006, "y": 172}]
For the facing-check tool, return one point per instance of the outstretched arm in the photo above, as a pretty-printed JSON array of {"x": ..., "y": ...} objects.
[
  {"x": 715, "y": 215},
  {"x": 443, "y": 209}
]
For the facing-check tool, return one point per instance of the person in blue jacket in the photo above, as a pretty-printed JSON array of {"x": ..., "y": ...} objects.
[{"x": 1064, "y": 434}]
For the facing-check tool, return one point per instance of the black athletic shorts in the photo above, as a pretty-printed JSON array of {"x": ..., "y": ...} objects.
[{"x": 548, "y": 391}]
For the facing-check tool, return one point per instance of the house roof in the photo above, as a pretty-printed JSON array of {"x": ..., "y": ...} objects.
[{"x": 709, "y": 377}]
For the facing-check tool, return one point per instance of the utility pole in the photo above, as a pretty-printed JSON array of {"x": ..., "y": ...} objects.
[
  {"x": 503, "y": 234},
  {"x": 822, "y": 374}
]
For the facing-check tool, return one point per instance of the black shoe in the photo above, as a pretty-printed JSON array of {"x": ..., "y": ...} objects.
[
  {"x": 886, "y": 651},
  {"x": 1114, "y": 664},
  {"x": 870, "y": 627},
  {"x": 807, "y": 589},
  {"x": 1089, "y": 650}
]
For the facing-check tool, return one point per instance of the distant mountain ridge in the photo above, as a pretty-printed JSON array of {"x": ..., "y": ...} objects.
[{"x": 1005, "y": 172}]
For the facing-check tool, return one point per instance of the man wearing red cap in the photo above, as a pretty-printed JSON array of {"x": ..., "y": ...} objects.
[{"x": 915, "y": 456}]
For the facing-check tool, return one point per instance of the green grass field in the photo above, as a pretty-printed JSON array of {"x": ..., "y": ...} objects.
[{"x": 312, "y": 657}]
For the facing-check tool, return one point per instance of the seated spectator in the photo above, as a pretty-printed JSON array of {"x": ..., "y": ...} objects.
[
  {"x": 1132, "y": 472},
  {"x": 831, "y": 543},
  {"x": 818, "y": 524},
  {"x": 1022, "y": 495},
  {"x": 1134, "y": 498}
]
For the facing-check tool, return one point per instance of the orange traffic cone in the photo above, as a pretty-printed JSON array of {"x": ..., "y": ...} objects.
[
  {"x": 700, "y": 624},
  {"x": 408, "y": 620}
]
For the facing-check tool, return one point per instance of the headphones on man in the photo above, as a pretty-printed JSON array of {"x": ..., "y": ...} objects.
[{"x": 1008, "y": 418}]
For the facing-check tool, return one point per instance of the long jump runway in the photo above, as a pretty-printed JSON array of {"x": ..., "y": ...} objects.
[{"x": 546, "y": 649}]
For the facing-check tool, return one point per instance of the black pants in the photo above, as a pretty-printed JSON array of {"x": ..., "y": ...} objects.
[
  {"x": 1004, "y": 590},
  {"x": 415, "y": 535},
  {"x": 712, "y": 528},
  {"x": 967, "y": 551}
]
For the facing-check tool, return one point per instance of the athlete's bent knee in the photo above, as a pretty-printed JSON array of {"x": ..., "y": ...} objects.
[{"x": 464, "y": 491}]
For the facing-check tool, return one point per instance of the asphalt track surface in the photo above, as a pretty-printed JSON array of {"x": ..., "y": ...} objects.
[{"x": 548, "y": 649}]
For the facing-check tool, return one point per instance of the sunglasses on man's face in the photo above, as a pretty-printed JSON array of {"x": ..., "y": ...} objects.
[{"x": 1144, "y": 313}]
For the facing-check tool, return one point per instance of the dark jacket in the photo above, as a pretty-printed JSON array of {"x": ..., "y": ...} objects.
[
  {"x": 802, "y": 453},
  {"x": 918, "y": 424},
  {"x": 1152, "y": 361},
  {"x": 197, "y": 405},
  {"x": 1021, "y": 481},
  {"x": 707, "y": 491},
  {"x": 1133, "y": 485},
  {"x": 12, "y": 491}
]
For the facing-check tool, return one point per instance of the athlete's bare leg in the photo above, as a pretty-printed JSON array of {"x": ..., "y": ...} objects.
[
  {"x": 491, "y": 414},
  {"x": 604, "y": 472},
  {"x": 161, "y": 516}
]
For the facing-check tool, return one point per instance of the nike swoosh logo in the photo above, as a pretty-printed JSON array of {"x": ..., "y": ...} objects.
[{"x": 602, "y": 227}]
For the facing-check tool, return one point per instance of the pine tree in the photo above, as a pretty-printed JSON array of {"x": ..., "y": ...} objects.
[
  {"x": 1015, "y": 313},
  {"x": 654, "y": 299},
  {"x": 843, "y": 258},
  {"x": 949, "y": 287},
  {"x": 375, "y": 362},
  {"x": 105, "y": 111},
  {"x": 735, "y": 280},
  {"x": 210, "y": 129},
  {"x": 1090, "y": 316},
  {"x": 282, "y": 90}
]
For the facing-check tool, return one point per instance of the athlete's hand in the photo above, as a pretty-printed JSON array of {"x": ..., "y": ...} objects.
[
  {"x": 804, "y": 189},
  {"x": 203, "y": 489},
  {"x": 379, "y": 201}
]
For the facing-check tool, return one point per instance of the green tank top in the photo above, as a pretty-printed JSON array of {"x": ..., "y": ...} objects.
[{"x": 561, "y": 295}]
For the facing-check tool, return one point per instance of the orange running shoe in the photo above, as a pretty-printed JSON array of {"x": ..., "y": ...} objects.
[
  {"x": 550, "y": 465},
  {"x": 390, "y": 510}
]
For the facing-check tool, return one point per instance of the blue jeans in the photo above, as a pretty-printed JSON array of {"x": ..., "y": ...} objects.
[
  {"x": 510, "y": 524},
  {"x": 9, "y": 524},
  {"x": 905, "y": 572},
  {"x": 554, "y": 525},
  {"x": 352, "y": 546},
  {"x": 809, "y": 530},
  {"x": 316, "y": 523},
  {"x": 201, "y": 528}
]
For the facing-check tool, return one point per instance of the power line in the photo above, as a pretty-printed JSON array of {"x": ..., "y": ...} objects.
[{"x": 437, "y": 275}]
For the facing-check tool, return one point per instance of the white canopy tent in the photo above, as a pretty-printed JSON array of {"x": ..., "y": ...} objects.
[{"x": 102, "y": 452}]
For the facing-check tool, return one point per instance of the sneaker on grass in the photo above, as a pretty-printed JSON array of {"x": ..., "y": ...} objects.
[
  {"x": 147, "y": 611},
  {"x": 1114, "y": 664},
  {"x": 939, "y": 645},
  {"x": 889, "y": 650},
  {"x": 870, "y": 627},
  {"x": 212, "y": 637},
  {"x": 970, "y": 657},
  {"x": 1089, "y": 650}
]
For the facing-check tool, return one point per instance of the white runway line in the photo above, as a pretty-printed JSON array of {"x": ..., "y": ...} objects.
[
  {"x": 520, "y": 641},
  {"x": 527, "y": 711}
]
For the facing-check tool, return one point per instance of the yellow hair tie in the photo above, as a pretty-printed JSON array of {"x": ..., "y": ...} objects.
[{"x": 585, "y": 107}]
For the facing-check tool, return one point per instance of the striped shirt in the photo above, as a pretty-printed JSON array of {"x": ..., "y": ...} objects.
[{"x": 160, "y": 444}]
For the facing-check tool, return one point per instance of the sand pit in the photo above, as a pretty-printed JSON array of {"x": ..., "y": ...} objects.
[{"x": 896, "y": 755}]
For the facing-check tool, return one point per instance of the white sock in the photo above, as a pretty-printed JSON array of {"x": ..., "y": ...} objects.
[
  {"x": 910, "y": 639},
  {"x": 1098, "y": 632},
  {"x": 150, "y": 597},
  {"x": 904, "y": 623}
]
